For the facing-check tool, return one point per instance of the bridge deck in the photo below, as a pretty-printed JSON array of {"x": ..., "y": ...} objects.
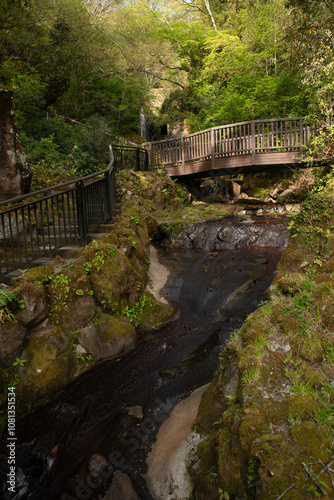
[{"x": 239, "y": 147}]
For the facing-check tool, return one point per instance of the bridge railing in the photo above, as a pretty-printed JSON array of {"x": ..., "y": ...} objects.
[
  {"x": 251, "y": 137},
  {"x": 36, "y": 224}
]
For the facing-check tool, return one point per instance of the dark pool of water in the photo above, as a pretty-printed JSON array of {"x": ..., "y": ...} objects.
[{"x": 55, "y": 442}]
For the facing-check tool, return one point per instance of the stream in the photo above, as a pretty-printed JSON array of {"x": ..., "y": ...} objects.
[{"x": 213, "y": 289}]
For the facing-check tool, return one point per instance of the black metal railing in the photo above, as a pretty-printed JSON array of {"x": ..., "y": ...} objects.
[
  {"x": 62, "y": 215},
  {"x": 131, "y": 157}
]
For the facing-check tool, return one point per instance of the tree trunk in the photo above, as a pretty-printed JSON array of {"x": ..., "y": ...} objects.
[{"x": 15, "y": 173}]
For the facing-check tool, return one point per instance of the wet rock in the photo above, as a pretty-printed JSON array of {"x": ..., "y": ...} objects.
[
  {"x": 234, "y": 189},
  {"x": 169, "y": 373},
  {"x": 174, "y": 448},
  {"x": 15, "y": 173},
  {"x": 215, "y": 236},
  {"x": 135, "y": 411},
  {"x": 121, "y": 488},
  {"x": 109, "y": 337},
  {"x": 97, "y": 463},
  {"x": 288, "y": 194},
  {"x": 50, "y": 365},
  {"x": 261, "y": 260},
  {"x": 80, "y": 350},
  {"x": 11, "y": 341},
  {"x": 35, "y": 307}
]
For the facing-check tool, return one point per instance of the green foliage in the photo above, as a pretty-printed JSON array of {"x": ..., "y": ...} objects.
[
  {"x": 19, "y": 362},
  {"x": 136, "y": 310},
  {"x": 314, "y": 224},
  {"x": 6, "y": 297}
]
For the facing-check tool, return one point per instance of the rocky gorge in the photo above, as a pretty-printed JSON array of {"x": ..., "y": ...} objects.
[{"x": 96, "y": 308}]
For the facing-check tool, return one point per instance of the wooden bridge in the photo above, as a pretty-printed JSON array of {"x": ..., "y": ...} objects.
[{"x": 241, "y": 147}]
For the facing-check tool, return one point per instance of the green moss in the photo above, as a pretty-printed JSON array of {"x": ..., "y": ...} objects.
[
  {"x": 312, "y": 439},
  {"x": 310, "y": 348},
  {"x": 50, "y": 366},
  {"x": 315, "y": 376},
  {"x": 290, "y": 324},
  {"x": 231, "y": 465},
  {"x": 154, "y": 314},
  {"x": 302, "y": 406},
  {"x": 290, "y": 283},
  {"x": 39, "y": 275},
  {"x": 114, "y": 328},
  {"x": 324, "y": 290}
]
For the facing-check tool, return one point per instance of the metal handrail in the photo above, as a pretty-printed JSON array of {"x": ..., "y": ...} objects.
[{"x": 36, "y": 228}]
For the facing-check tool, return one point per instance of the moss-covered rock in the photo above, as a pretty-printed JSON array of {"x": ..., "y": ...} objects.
[
  {"x": 50, "y": 365},
  {"x": 71, "y": 304},
  {"x": 35, "y": 308},
  {"x": 310, "y": 348},
  {"x": 154, "y": 314},
  {"x": 302, "y": 406},
  {"x": 107, "y": 337},
  {"x": 290, "y": 283},
  {"x": 12, "y": 336}
]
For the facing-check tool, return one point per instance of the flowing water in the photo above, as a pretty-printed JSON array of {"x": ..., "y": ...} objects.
[{"x": 213, "y": 293}]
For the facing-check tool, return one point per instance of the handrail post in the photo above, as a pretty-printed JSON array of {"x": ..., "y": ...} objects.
[
  {"x": 252, "y": 144},
  {"x": 182, "y": 153},
  {"x": 301, "y": 135},
  {"x": 146, "y": 160},
  {"x": 137, "y": 159},
  {"x": 82, "y": 222},
  {"x": 151, "y": 155},
  {"x": 213, "y": 148}
]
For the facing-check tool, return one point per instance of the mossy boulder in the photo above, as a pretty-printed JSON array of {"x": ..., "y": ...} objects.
[
  {"x": 302, "y": 406},
  {"x": 290, "y": 261},
  {"x": 35, "y": 305},
  {"x": 114, "y": 281},
  {"x": 231, "y": 464},
  {"x": 314, "y": 376},
  {"x": 310, "y": 348},
  {"x": 50, "y": 365},
  {"x": 290, "y": 283},
  {"x": 313, "y": 439},
  {"x": 39, "y": 275},
  {"x": 291, "y": 324},
  {"x": 108, "y": 336},
  {"x": 12, "y": 336},
  {"x": 71, "y": 304},
  {"x": 154, "y": 314},
  {"x": 326, "y": 307}
]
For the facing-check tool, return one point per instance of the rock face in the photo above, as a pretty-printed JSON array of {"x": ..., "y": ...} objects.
[
  {"x": 167, "y": 462},
  {"x": 15, "y": 173},
  {"x": 216, "y": 236}
]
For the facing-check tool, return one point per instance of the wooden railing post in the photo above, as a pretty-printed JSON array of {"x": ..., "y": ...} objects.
[
  {"x": 301, "y": 135},
  {"x": 151, "y": 156},
  {"x": 252, "y": 144},
  {"x": 182, "y": 154},
  {"x": 213, "y": 148}
]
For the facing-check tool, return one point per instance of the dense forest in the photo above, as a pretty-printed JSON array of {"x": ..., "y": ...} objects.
[{"x": 196, "y": 62}]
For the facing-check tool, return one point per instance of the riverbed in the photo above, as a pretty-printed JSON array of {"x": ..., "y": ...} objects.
[{"x": 112, "y": 413}]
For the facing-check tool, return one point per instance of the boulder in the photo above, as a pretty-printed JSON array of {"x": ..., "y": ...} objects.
[
  {"x": 11, "y": 340},
  {"x": 121, "y": 488},
  {"x": 109, "y": 337},
  {"x": 234, "y": 189},
  {"x": 50, "y": 365},
  {"x": 15, "y": 173},
  {"x": 288, "y": 194},
  {"x": 35, "y": 308}
]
